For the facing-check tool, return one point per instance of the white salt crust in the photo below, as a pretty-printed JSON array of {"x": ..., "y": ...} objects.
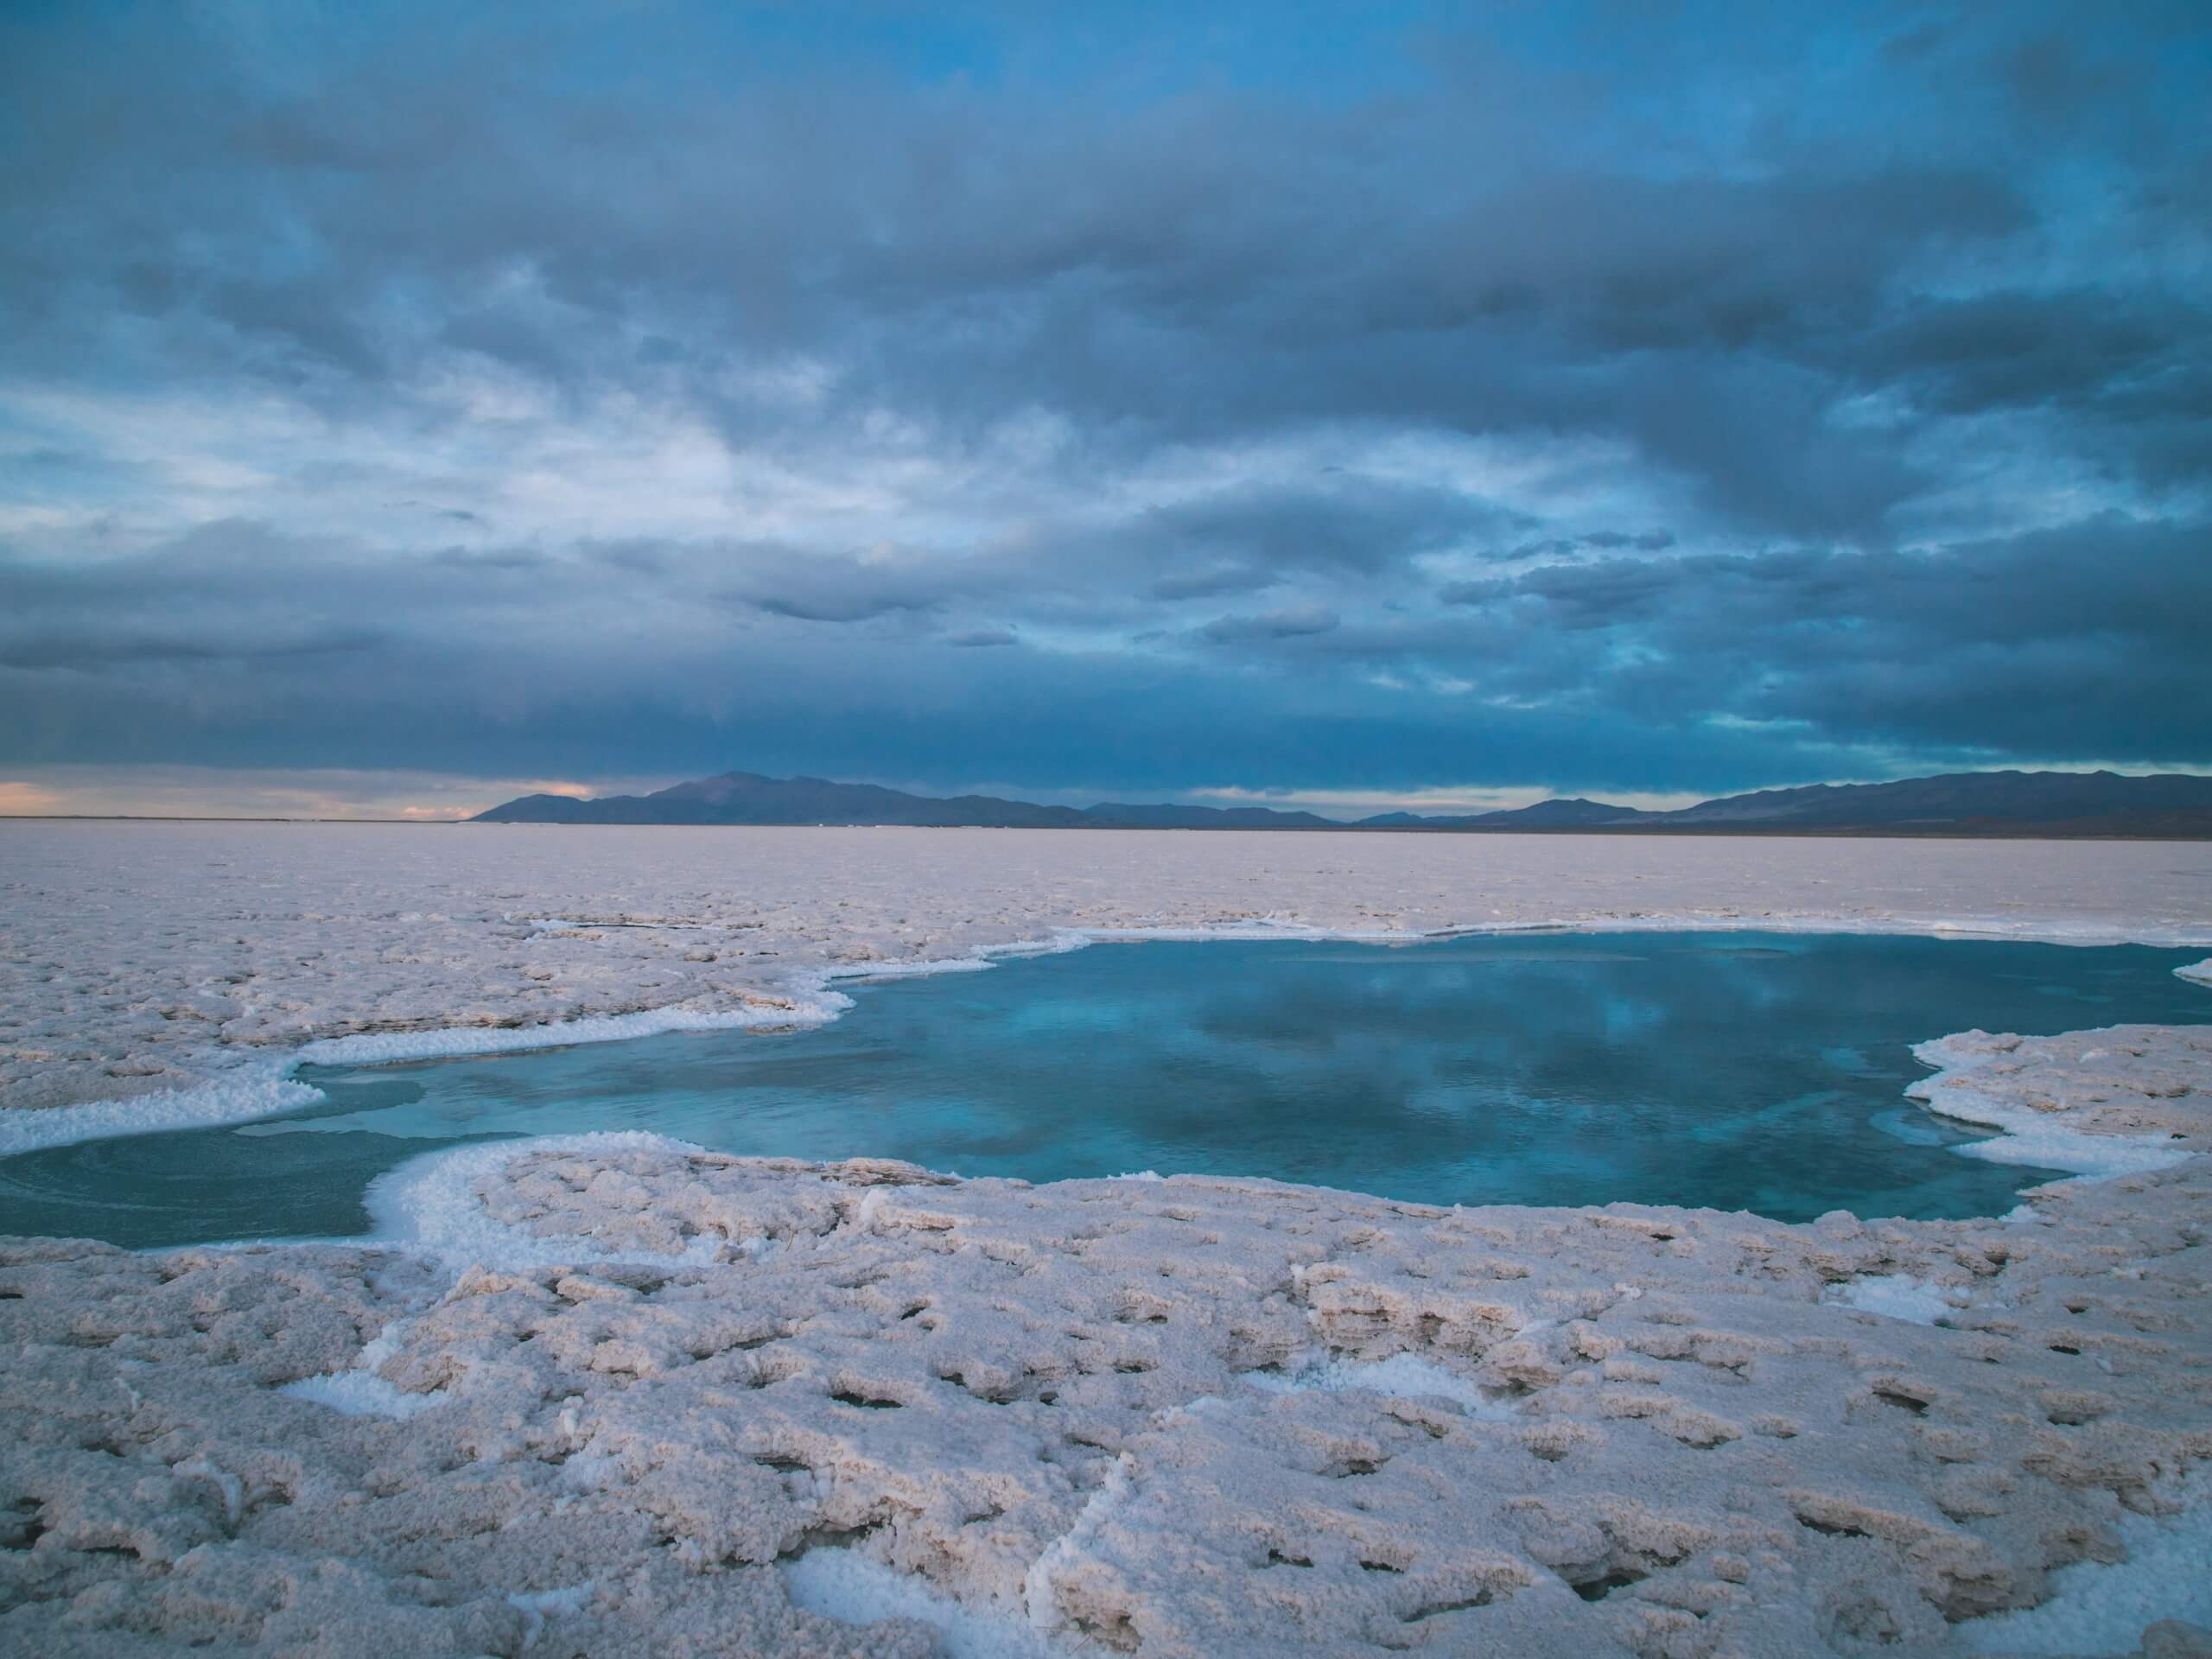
[
  {"x": 361, "y": 1393},
  {"x": 857, "y": 1589},
  {"x": 266, "y": 1087},
  {"x": 1900, "y": 1296},
  {"x": 431, "y": 1206},
  {"x": 2165, "y": 1577},
  {"x": 1400, "y": 1373}
]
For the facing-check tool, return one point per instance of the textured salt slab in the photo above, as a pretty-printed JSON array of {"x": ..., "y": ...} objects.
[
  {"x": 435, "y": 1207},
  {"x": 2165, "y": 1579},
  {"x": 2112, "y": 1102},
  {"x": 187, "y": 962},
  {"x": 685, "y": 1402}
]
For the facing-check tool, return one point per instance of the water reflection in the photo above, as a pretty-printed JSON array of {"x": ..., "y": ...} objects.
[{"x": 1759, "y": 1071}]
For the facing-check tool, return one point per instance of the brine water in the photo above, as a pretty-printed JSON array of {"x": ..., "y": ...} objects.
[{"x": 1741, "y": 1071}]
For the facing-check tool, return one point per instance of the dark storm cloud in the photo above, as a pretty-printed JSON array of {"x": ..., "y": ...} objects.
[
  {"x": 2012, "y": 350},
  {"x": 1213, "y": 584},
  {"x": 1271, "y": 624},
  {"x": 2069, "y": 635},
  {"x": 1253, "y": 537},
  {"x": 96, "y": 647},
  {"x": 1649, "y": 541},
  {"x": 2067, "y": 638},
  {"x": 490, "y": 558},
  {"x": 1581, "y": 378},
  {"x": 844, "y": 606},
  {"x": 1351, "y": 526}
]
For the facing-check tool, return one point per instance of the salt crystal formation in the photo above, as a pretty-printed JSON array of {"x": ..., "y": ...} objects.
[{"x": 620, "y": 1395}]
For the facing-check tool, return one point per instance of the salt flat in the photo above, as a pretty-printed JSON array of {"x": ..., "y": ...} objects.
[
  {"x": 615, "y": 1394},
  {"x": 137, "y": 958}
]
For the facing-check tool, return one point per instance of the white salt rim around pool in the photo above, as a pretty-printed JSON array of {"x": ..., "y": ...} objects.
[
  {"x": 267, "y": 1088},
  {"x": 430, "y": 1206}
]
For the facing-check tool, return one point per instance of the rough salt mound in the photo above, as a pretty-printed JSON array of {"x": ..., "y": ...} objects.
[{"x": 618, "y": 1396}]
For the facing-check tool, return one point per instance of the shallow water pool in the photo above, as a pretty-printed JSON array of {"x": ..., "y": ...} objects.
[{"x": 1741, "y": 1071}]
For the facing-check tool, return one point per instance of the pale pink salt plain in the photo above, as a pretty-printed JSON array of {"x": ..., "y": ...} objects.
[{"x": 613, "y": 1394}]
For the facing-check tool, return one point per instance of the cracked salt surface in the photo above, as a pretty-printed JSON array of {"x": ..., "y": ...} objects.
[
  {"x": 359, "y": 1391},
  {"x": 1028, "y": 1413},
  {"x": 1026, "y": 1399}
]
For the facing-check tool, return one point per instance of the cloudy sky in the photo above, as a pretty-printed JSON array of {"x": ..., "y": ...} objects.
[{"x": 1356, "y": 405}]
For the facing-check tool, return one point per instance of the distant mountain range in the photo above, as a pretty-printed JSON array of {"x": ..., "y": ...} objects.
[
  {"x": 747, "y": 797},
  {"x": 2039, "y": 804}
]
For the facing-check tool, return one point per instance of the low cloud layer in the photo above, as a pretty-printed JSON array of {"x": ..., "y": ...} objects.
[{"x": 1527, "y": 398}]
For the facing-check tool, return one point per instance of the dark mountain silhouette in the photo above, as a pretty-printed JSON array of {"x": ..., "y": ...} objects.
[
  {"x": 2048, "y": 803},
  {"x": 1571, "y": 813},
  {"x": 2022, "y": 797},
  {"x": 747, "y": 797}
]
